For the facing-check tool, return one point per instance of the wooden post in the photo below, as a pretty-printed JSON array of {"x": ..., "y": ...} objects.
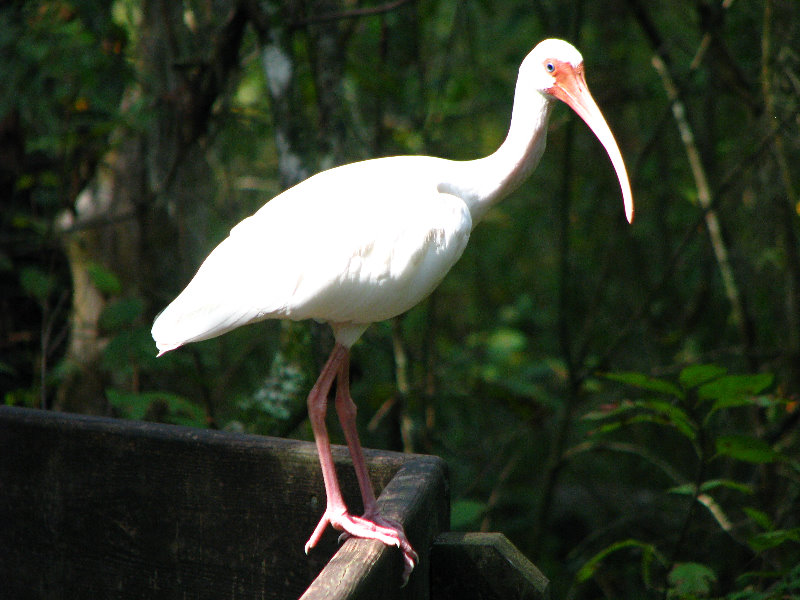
[{"x": 485, "y": 566}]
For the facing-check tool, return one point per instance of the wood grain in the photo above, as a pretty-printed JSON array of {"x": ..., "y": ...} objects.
[{"x": 103, "y": 508}]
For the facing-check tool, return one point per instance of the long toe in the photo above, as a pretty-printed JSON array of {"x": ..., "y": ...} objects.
[
  {"x": 410, "y": 560},
  {"x": 372, "y": 528}
]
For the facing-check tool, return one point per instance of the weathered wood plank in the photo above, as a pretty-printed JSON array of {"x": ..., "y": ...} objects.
[
  {"x": 93, "y": 507},
  {"x": 485, "y": 566}
]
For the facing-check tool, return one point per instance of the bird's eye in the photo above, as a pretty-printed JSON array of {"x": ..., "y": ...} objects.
[{"x": 550, "y": 67}]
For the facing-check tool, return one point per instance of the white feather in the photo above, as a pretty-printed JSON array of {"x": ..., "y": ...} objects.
[{"x": 350, "y": 246}]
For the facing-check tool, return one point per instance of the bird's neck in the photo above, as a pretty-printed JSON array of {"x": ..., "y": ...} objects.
[{"x": 484, "y": 182}]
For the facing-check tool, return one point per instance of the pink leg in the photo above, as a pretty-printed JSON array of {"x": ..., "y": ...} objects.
[
  {"x": 371, "y": 525},
  {"x": 346, "y": 409},
  {"x": 317, "y": 407}
]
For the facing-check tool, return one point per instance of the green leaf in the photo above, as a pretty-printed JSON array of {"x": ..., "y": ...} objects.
[
  {"x": 128, "y": 348},
  {"x": 103, "y": 279},
  {"x": 733, "y": 402},
  {"x": 696, "y": 375},
  {"x": 712, "y": 484},
  {"x": 732, "y": 388},
  {"x": 466, "y": 513},
  {"x": 772, "y": 539},
  {"x": 645, "y": 382},
  {"x": 760, "y": 518},
  {"x": 690, "y": 580},
  {"x": 121, "y": 314},
  {"x": 638, "y": 418},
  {"x": 183, "y": 412},
  {"x": 746, "y": 448},
  {"x": 675, "y": 416},
  {"x": 659, "y": 412},
  {"x": 132, "y": 406},
  {"x": 591, "y": 566},
  {"x": 776, "y": 585},
  {"x": 504, "y": 342},
  {"x": 36, "y": 282},
  {"x": 606, "y": 413},
  {"x": 170, "y": 408},
  {"x": 688, "y": 489}
]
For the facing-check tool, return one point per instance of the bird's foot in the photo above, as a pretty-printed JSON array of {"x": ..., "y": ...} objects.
[{"x": 372, "y": 527}]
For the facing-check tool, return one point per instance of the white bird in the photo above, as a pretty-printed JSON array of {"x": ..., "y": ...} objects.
[{"x": 365, "y": 242}]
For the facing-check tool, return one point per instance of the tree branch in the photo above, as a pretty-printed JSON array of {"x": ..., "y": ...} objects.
[
  {"x": 355, "y": 13},
  {"x": 704, "y": 198},
  {"x": 785, "y": 207},
  {"x": 661, "y": 62}
]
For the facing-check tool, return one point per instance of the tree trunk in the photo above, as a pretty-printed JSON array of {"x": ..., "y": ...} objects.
[{"x": 152, "y": 189}]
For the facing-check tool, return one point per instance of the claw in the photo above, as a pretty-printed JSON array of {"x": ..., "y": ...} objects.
[{"x": 374, "y": 528}]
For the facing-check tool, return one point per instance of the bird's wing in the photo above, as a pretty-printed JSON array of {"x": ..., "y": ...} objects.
[{"x": 356, "y": 244}]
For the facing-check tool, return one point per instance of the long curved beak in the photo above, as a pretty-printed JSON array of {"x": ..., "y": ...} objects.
[{"x": 571, "y": 88}]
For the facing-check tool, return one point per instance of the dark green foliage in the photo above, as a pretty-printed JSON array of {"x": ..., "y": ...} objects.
[
  {"x": 63, "y": 70},
  {"x": 36, "y": 283},
  {"x": 157, "y": 406},
  {"x": 713, "y": 412}
]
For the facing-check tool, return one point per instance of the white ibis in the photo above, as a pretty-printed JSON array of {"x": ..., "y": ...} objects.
[{"x": 365, "y": 242}]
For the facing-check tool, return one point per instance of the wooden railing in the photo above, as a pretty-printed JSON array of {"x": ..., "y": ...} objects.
[{"x": 102, "y": 508}]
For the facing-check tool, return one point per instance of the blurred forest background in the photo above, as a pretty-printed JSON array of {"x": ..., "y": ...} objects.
[{"x": 621, "y": 401}]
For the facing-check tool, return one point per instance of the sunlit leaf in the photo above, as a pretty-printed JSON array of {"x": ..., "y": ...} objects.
[
  {"x": 503, "y": 342},
  {"x": 690, "y": 580}
]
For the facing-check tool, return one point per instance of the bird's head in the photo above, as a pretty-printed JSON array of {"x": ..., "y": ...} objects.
[
  {"x": 555, "y": 68},
  {"x": 549, "y": 61}
]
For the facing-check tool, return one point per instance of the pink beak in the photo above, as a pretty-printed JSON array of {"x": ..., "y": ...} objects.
[{"x": 571, "y": 88}]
